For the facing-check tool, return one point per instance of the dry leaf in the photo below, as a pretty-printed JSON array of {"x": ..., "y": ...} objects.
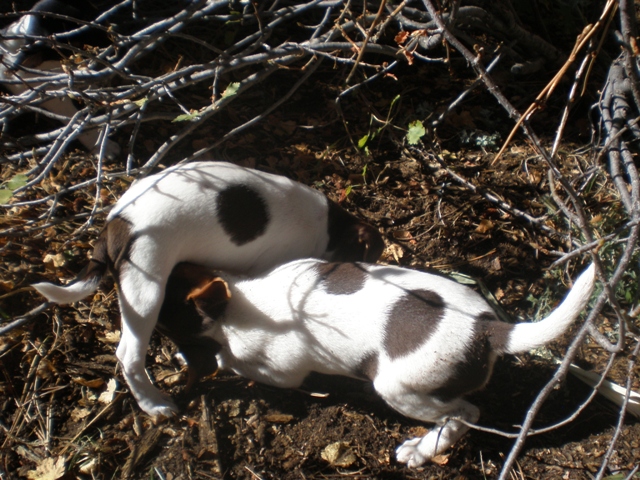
[
  {"x": 111, "y": 337},
  {"x": 402, "y": 235},
  {"x": 49, "y": 469},
  {"x": 109, "y": 394},
  {"x": 440, "y": 460},
  {"x": 339, "y": 454},
  {"x": 395, "y": 251},
  {"x": 80, "y": 414},
  {"x": 278, "y": 418},
  {"x": 57, "y": 260},
  {"x": 401, "y": 37},
  {"x": 95, "y": 383},
  {"x": 485, "y": 226}
]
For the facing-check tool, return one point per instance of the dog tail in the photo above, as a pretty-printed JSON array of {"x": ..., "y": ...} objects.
[
  {"x": 110, "y": 251},
  {"x": 86, "y": 282},
  {"x": 527, "y": 336}
]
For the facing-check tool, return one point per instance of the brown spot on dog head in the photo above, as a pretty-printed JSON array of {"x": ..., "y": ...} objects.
[
  {"x": 342, "y": 278},
  {"x": 243, "y": 213},
  {"x": 473, "y": 371},
  {"x": 413, "y": 319},
  {"x": 350, "y": 239},
  {"x": 368, "y": 366}
]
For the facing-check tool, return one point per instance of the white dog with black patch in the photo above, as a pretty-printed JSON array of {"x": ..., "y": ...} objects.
[
  {"x": 422, "y": 339},
  {"x": 212, "y": 213}
]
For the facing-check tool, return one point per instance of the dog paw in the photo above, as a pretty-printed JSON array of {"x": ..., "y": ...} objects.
[
  {"x": 410, "y": 454},
  {"x": 159, "y": 409}
]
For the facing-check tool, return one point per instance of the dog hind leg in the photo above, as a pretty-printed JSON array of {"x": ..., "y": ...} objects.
[{"x": 420, "y": 406}]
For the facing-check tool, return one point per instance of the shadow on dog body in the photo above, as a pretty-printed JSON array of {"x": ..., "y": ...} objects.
[
  {"x": 423, "y": 340},
  {"x": 211, "y": 213}
]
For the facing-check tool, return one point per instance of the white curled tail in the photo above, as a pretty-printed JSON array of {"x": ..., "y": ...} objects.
[
  {"x": 527, "y": 336},
  {"x": 69, "y": 294}
]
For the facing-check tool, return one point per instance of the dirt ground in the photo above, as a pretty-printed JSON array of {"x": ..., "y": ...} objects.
[{"x": 60, "y": 410}]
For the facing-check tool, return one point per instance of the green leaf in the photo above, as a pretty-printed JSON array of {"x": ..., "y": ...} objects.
[
  {"x": 19, "y": 180},
  {"x": 416, "y": 132},
  {"x": 142, "y": 102},
  {"x": 186, "y": 117},
  {"x": 5, "y": 195},
  {"x": 347, "y": 191},
  {"x": 231, "y": 89},
  {"x": 363, "y": 141}
]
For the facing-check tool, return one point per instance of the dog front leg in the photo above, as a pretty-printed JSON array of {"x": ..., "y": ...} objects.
[{"x": 139, "y": 317}]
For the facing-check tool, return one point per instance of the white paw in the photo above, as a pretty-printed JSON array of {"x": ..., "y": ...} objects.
[
  {"x": 410, "y": 454},
  {"x": 162, "y": 407}
]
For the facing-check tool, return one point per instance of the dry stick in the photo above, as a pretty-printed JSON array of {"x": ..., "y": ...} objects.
[
  {"x": 85, "y": 427},
  {"x": 513, "y": 113},
  {"x": 259, "y": 117},
  {"x": 556, "y": 198},
  {"x": 245, "y": 84},
  {"x": 571, "y": 353},
  {"x": 613, "y": 95},
  {"x": 555, "y": 426},
  {"x": 565, "y": 257},
  {"x": 493, "y": 89},
  {"x": 464, "y": 94},
  {"x": 628, "y": 30},
  {"x": 366, "y": 40},
  {"x": 569, "y": 102},
  {"x": 69, "y": 134},
  {"x": 538, "y": 222},
  {"x": 623, "y": 410},
  {"x": 547, "y": 91},
  {"x": 20, "y": 321}
]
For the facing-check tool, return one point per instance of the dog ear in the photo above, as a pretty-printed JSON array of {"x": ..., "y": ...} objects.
[{"x": 212, "y": 294}]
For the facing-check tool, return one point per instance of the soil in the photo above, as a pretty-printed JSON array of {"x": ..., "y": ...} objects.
[{"x": 57, "y": 397}]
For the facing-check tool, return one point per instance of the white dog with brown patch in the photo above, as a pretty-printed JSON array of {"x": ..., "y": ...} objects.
[
  {"x": 212, "y": 213},
  {"x": 422, "y": 339}
]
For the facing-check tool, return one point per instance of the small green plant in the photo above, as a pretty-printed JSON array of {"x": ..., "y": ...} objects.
[
  {"x": 7, "y": 188},
  {"x": 415, "y": 132},
  {"x": 363, "y": 143}
]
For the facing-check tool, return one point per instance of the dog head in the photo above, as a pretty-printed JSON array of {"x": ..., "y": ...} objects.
[{"x": 195, "y": 296}]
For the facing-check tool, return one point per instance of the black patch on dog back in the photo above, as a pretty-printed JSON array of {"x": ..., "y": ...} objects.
[
  {"x": 413, "y": 319},
  {"x": 472, "y": 372},
  {"x": 243, "y": 213},
  {"x": 368, "y": 367},
  {"x": 342, "y": 278}
]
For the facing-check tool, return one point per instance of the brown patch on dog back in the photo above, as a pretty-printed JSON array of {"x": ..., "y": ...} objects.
[
  {"x": 243, "y": 213},
  {"x": 413, "y": 319},
  {"x": 342, "y": 278},
  {"x": 368, "y": 366},
  {"x": 350, "y": 239}
]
